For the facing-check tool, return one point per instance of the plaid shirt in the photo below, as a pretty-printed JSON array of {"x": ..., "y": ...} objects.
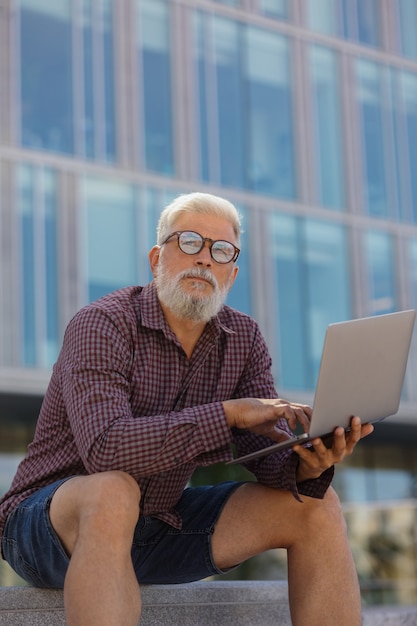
[{"x": 124, "y": 396}]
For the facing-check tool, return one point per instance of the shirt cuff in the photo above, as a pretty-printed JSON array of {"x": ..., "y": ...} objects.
[
  {"x": 313, "y": 487},
  {"x": 282, "y": 472}
]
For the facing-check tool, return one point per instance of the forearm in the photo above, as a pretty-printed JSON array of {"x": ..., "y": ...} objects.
[{"x": 146, "y": 445}]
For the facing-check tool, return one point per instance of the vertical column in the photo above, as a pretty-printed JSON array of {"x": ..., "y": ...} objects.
[
  {"x": 70, "y": 247},
  {"x": 126, "y": 85},
  {"x": 9, "y": 282},
  {"x": 184, "y": 92},
  {"x": 388, "y": 23},
  {"x": 8, "y": 73},
  {"x": 305, "y": 170}
]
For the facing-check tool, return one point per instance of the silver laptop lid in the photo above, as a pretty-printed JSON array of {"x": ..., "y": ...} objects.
[
  {"x": 362, "y": 370},
  {"x": 361, "y": 373}
]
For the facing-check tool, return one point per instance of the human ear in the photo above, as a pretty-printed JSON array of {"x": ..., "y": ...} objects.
[
  {"x": 233, "y": 275},
  {"x": 154, "y": 258}
]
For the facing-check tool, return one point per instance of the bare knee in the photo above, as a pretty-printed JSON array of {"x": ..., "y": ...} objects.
[
  {"x": 332, "y": 504},
  {"x": 116, "y": 491},
  {"x": 103, "y": 505},
  {"x": 326, "y": 514}
]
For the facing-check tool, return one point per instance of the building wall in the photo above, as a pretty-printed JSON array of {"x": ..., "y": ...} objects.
[{"x": 303, "y": 113}]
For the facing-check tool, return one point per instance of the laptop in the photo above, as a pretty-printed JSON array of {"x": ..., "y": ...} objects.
[{"x": 361, "y": 373}]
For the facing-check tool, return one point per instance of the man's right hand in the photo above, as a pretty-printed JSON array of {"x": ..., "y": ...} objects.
[{"x": 261, "y": 415}]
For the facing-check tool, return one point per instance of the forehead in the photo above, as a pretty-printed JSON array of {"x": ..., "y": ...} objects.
[{"x": 206, "y": 225}]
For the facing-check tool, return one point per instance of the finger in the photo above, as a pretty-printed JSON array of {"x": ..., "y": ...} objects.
[
  {"x": 339, "y": 444},
  {"x": 315, "y": 460},
  {"x": 303, "y": 416},
  {"x": 355, "y": 425},
  {"x": 360, "y": 430},
  {"x": 300, "y": 413},
  {"x": 366, "y": 430},
  {"x": 354, "y": 434},
  {"x": 279, "y": 435},
  {"x": 304, "y": 407},
  {"x": 307, "y": 454}
]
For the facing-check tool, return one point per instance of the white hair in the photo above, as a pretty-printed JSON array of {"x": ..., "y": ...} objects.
[{"x": 200, "y": 203}]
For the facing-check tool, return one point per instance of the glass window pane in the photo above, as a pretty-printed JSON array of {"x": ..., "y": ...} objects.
[
  {"x": 310, "y": 263},
  {"x": 154, "y": 42},
  {"x": 327, "y": 127},
  {"x": 37, "y": 201},
  {"x": 368, "y": 21},
  {"x": 98, "y": 126},
  {"x": 46, "y": 75},
  {"x": 325, "y": 266},
  {"x": 322, "y": 16},
  {"x": 110, "y": 236},
  {"x": 229, "y": 108},
  {"x": 28, "y": 276},
  {"x": 245, "y": 110},
  {"x": 381, "y": 284},
  {"x": 270, "y": 141},
  {"x": 274, "y": 8},
  {"x": 361, "y": 21},
  {"x": 408, "y": 149},
  {"x": 358, "y": 20},
  {"x": 286, "y": 253},
  {"x": 370, "y": 101},
  {"x": 407, "y": 14}
]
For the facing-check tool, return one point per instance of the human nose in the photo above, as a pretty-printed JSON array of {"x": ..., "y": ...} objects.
[{"x": 204, "y": 256}]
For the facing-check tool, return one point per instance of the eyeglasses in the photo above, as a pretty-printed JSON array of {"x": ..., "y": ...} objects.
[{"x": 190, "y": 242}]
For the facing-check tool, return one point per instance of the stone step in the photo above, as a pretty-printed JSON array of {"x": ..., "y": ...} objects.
[{"x": 240, "y": 603}]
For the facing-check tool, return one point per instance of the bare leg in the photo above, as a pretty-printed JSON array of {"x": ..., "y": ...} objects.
[
  {"x": 95, "y": 517},
  {"x": 323, "y": 585}
]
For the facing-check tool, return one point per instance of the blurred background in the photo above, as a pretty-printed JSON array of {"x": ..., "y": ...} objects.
[{"x": 301, "y": 112}]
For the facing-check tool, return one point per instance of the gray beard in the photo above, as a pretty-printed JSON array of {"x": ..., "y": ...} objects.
[{"x": 185, "y": 305}]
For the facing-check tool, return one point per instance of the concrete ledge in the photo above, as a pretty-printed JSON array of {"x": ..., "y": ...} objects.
[
  {"x": 241, "y": 603},
  {"x": 390, "y": 616},
  {"x": 194, "y": 604}
]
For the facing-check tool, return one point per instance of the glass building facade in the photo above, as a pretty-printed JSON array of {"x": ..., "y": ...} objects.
[{"x": 301, "y": 112}]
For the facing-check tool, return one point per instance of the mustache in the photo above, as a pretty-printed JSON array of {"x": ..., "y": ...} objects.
[{"x": 200, "y": 273}]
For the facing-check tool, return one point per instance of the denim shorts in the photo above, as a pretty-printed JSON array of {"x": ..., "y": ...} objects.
[{"x": 161, "y": 554}]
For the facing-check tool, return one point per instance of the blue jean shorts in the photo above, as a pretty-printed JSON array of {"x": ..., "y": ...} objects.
[{"x": 161, "y": 554}]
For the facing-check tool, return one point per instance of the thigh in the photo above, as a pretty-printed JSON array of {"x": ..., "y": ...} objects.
[
  {"x": 30, "y": 544},
  {"x": 258, "y": 518},
  {"x": 162, "y": 554}
]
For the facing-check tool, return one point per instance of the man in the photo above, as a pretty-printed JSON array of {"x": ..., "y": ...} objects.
[{"x": 150, "y": 383}]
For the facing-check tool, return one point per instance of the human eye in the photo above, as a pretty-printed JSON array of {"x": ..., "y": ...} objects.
[
  {"x": 190, "y": 242},
  {"x": 223, "y": 251}
]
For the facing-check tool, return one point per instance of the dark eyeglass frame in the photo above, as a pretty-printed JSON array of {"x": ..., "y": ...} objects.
[{"x": 212, "y": 242}]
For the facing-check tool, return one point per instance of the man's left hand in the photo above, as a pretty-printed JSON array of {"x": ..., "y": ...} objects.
[{"x": 316, "y": 460}]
